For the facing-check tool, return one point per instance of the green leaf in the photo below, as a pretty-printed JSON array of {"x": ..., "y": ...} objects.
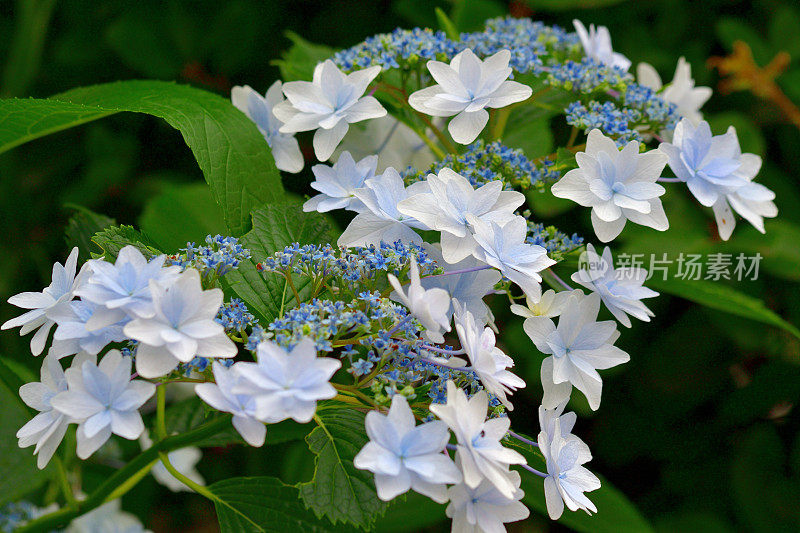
[
  {"x": 722, "y": 298},
  {"x": 263, "y": 504},
  {"x": 411, "y": 512},
  {"x": 20, "y": 473},
  {"x": 338, "y": 490},
  {"x": 180, "y": 214},
  {"x": 298, "y": 62},
  {"x": 445, "y": 24},
  {"x": 228, "y": 147},
  {"x": 81, "y": 227},
  {"x": 112, "y": 240},
  {"x": 274, "y": 227},
  {"x": 471, "y": 15},
  {"x": 615, "y": 513}
]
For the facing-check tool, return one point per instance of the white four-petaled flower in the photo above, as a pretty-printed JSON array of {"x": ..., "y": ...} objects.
[
  {"x": 484, "y": 509},
  {"x": 620, "y": 289},
  {"x": 681, "y": 91},
  {"x": 287, "y": 383},
  {"x": 381, "y": 221},
  {"x": 450, "y": 202},
  {"x": 505, "y": 248},
  {"x": 220, "y": 396},
  {"x": 404, "y": 456},
  {"x": 122, "y": 289},
  {"x": 337, "y": 184},
  {"x": 479, "y": 450},
  {"x": 577, "y": 347},
  {"x": 465, "y": 88},
  {"x": 617, "y": 185},
  {"x": 60, "y": 290},
  {"x": 181, "y": 327},
  {"x": 567, "y": 479},
  {"x": 486, "y": 359},
  {"x": 429, "y": 306},
  {"x": 596, "y": 44},
  {"x": 103, "y": 399},
  {"x": 46, "y": 429},
  {"x": 258, "y": 108},
  {"x": 328, "y": 104}
]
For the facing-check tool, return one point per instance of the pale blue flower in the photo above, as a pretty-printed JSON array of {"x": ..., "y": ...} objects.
[
  {"x": 338, "y": 183},
  {"x": 103, "y": 399},
  {"x": 122, "y": 289},
  {"x": 382, "y": 221},
  {"x": 719, "y": 175},
  {"x": 467, "y": 86},
  {"x": 404, "y": 456},
  {"x": 479, "y": 450},
  {"x": 486, "y": 359},
  {"x": 287, "y": 383},
  {"x": 60, "y": 290},
  {"x": 505, "y": 248},
  {"x": 258, "y": 108},
  {"x": 711, "y": 165},
  {"x": 596, "y": 44},
  {"x": 567, "y": 479},
  {"x": 621, "y": 289},
  {"x": 328, "y": 104},
  {"x": 71, "y": 335},
  {"x": 182, "y": 326},
  {"x": 46, "y": 429},
  {"x": 221, "y": 396},
  {"x": 450, "y": 200},
  {"x": 578, "y": 347},
  {"x": 484, "y": 508},
  {"x": 429, "y": 306},
  {"x": 617, "y": 185}
]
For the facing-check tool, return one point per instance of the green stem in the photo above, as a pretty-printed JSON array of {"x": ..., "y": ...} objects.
[
  {"x": 501, "y": 119},
  {"x": 118, "y": 483},
  {"x": 161, "y": 401},
  {"x": 61, "y": 472},
  {"x": 200, "y": 489}
]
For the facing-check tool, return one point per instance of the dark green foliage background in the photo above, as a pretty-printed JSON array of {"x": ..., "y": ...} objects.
[{"x": 700, "y": 429}]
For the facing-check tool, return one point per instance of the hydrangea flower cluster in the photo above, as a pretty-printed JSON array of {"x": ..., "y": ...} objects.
[{"x": 395, "y": 319}]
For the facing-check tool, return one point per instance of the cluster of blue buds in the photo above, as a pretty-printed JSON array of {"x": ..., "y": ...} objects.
[
  {"x": 235, "y": 317},
  {"x": 332, "y": 324},
  {"x": 349, "y": 268},
  {"x": 482, "y": 163},
  {"x": 551, "y": 239},
  {"x": 216, "y": 258},
  {"x": 401, "y": 48},
  {"x": 586, "y": 76},
  {"x": 607, "y": 117},
  {"x": 656, "y": 111},
  {"x": 531, "y": 42}
]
